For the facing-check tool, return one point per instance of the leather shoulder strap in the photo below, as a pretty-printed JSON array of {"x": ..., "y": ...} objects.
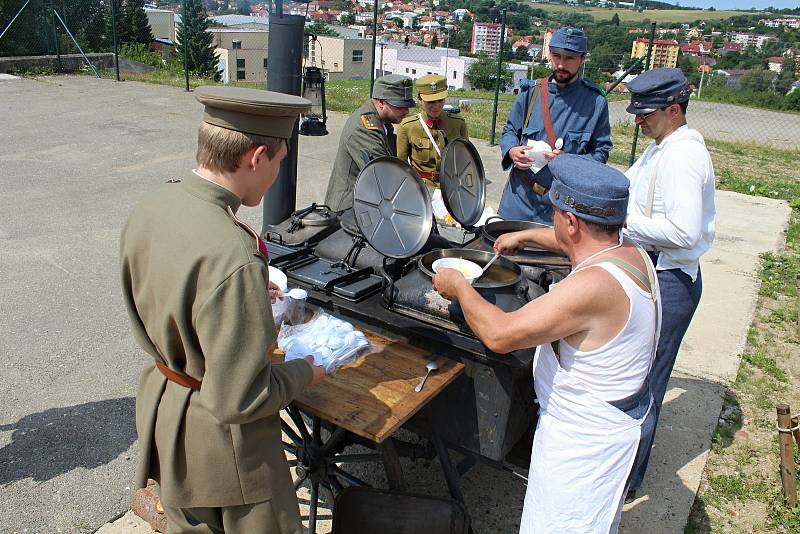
[
  {"x": 548, "y": 123},
  {"x": 534, "y": 95}
]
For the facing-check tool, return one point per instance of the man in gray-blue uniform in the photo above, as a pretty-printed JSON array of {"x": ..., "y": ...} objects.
[{"x": 575, "y": 120}]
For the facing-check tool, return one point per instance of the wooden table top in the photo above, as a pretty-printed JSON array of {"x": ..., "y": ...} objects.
[{"x": 374, "y": 395}]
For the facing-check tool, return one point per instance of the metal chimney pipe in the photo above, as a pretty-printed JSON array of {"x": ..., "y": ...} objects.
[{"x": 284, "y": 64}]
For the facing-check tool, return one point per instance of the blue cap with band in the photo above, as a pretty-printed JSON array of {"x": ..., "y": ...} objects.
[
  {"x": 569, "y": 39},
  {"x": 657, "y": 88},
  {"x": 591, "y": 190}
]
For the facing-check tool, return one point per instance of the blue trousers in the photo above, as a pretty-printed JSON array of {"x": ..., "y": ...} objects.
[
  {"x": 520, "y": 203},
  {"x": 679, "y": 299}
]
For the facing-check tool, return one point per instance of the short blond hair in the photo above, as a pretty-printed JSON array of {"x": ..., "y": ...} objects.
[{"x": 221, "y": 150}]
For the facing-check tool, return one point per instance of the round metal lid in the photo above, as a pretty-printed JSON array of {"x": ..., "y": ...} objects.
[
  {"x": 463, "y": 181},
  {"x": 319, "y": 216},
  {"x": 392, "y": 207}
]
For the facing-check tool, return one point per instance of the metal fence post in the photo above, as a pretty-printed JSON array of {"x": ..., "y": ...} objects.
[
  {"x": 55, "y": 36},
  {"x": 185, "y": 45},
  {"x": 374, "y": 40},
  {"x": 499, "y": 74},
  {"x": 646, "y": 67},
  {"x": 114, "y": 35}
]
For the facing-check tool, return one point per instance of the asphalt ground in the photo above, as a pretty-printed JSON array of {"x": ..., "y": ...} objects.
[{"x": 76, "y": 153}]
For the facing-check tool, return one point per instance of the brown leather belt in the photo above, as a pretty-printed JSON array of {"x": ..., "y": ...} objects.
[
  {"x": 433, "y": 176},
  {"x": 538, "y": 188},
  {"x": 179, "y": 378}
]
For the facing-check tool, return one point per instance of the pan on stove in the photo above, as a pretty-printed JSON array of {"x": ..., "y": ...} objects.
[{"x": 502, "y": 273}]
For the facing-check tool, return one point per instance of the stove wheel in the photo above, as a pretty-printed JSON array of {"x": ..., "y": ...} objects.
[{"x": 319, "y": 461}]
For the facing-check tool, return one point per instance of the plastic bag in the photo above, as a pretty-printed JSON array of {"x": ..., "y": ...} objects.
[{"x": 331, "y": 341}]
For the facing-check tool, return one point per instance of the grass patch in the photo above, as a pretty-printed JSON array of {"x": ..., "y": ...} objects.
[
  {"x": 766, "y": 363},
  {"x": 779, "y": 275}
]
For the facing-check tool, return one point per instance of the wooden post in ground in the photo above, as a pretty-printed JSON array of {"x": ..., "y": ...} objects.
[{"x": 787, "y": 454}]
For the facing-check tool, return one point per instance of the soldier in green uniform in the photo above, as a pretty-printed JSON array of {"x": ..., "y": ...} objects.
[
  {"x": 421, "y": 138},
  {"x": 368, "y": 134},
  {"x": 195, "y": 283}
]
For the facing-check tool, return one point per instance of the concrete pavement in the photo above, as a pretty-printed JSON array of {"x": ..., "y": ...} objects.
[{"x": 76, "y": 153}]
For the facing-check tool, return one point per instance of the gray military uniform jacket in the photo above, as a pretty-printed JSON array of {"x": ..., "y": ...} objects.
[
  {"x": 196, "y": 290},
  {"x": 364, "y": 137}
]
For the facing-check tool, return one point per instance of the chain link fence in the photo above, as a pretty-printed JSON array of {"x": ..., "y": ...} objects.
[{"x": 752, "y": 107}]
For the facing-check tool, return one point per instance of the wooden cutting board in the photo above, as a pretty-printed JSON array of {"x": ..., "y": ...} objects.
[{"x": 374, "y": 395}]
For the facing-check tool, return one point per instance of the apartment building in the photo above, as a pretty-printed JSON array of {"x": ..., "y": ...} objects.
[
  {"x": 341, "y": 58},
  {"x": 664, "y": 54},
  {"x": 486, "y": 38},
  {"x": 242, "y": 53}
]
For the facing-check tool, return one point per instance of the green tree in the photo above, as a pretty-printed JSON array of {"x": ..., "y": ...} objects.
[
  {"x": 136, "y": 18},
  {"x": 244, "y": 7},
  {"x": 434, "y": 41},
  {"x": 784, "y": 80},
  {"x": 521, "y": 53},
  {"x": 192, "y": 34},
  {"x": 758, "y": 81},
  {"x": 482, "y": 74},
  {"x": 792, "y": 101}
]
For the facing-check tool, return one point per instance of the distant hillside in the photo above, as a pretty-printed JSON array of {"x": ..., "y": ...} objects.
[{"x": 654, "y": 15}]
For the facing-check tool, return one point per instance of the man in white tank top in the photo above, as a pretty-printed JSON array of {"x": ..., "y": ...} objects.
[{"x": 596, "y": 333}]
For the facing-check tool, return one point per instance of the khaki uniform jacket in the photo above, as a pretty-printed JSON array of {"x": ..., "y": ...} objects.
[
  {"x": 364, "y": 138},
  {"x": 414, "y": 145},
  {"x": 196, "y": 290}
]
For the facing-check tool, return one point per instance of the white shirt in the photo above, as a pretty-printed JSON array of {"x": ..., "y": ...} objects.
[{"x": 681, "y": 226}]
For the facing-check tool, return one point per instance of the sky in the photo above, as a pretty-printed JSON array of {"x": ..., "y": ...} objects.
[{"x": 738, "y": 4}]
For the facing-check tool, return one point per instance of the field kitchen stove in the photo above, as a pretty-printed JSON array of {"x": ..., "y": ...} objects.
[{"x": 374, "y": 267}]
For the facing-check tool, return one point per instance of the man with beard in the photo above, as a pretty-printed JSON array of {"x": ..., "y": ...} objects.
[
  {"x": 565, "y": 111},
  {"x": 368, "y": 134}
]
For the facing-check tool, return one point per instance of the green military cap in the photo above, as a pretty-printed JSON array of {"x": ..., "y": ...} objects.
[
  {"x": 251, "y": 111},
  {"x": 432, "y": 87},
  {"x": 395, "y": 89}
]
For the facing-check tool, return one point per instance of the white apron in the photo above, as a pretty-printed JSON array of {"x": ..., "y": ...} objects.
[{"x": 583, "y": 453}]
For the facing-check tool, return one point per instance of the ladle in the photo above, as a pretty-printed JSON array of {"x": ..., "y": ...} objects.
[{"x": 488, "y": 264}]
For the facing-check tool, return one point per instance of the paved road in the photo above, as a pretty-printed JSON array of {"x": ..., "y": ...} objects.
[{"x": 75, "y": 154}]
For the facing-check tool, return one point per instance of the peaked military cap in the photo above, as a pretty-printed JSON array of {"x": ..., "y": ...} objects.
[
  {"x": 395, "y": 89},
  {"x": 432, "y": 87},
  {"x": 569, "y": 39},
  {"x": 593, "y": 191},
  {"x": 251, "y": 111},
  {"x": 656, "y": 89}
]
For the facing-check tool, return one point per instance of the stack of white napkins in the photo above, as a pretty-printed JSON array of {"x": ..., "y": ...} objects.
[{"x": 331, "y": 341}]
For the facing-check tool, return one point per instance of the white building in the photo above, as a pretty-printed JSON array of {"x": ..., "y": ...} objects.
[
  {"x": 162, "y": 23},
  {"x": 417, "y": 61},
  {"x": 750, "y": 39}
]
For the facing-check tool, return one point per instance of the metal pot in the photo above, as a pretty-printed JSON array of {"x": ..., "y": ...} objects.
[
  {"x": 495, "y": 228},
  {"x": 502, "y": 273}
]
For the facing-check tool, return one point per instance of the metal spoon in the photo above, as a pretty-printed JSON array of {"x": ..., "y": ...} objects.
[
  {"x": 430, "y": 366},
  {"x": 485, "y": 267}
]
